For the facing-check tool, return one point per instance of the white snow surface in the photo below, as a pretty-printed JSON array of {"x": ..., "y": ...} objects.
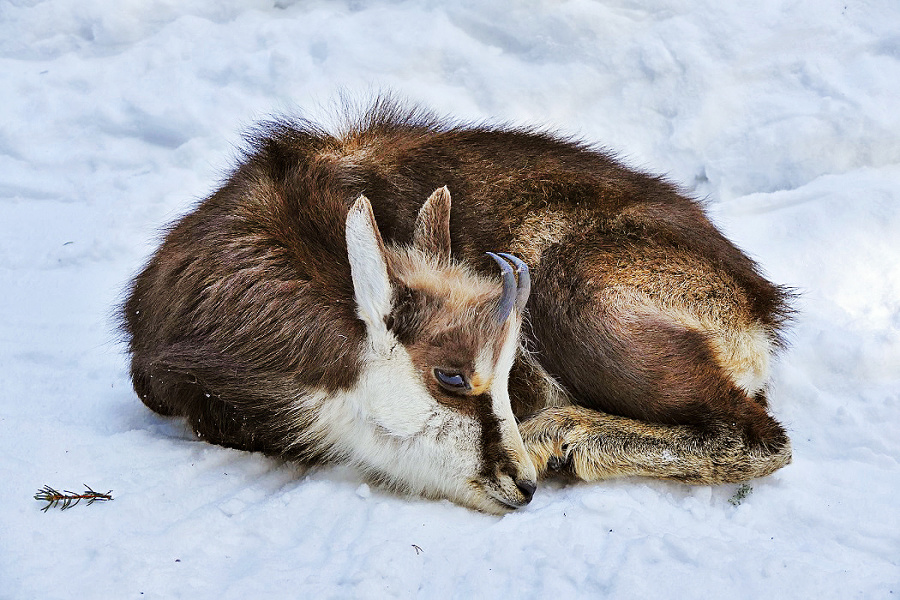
[{"x": 116, "y": 117}]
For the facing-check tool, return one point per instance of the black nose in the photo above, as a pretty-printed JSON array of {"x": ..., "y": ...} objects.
[{"x": 527, "y": 488}]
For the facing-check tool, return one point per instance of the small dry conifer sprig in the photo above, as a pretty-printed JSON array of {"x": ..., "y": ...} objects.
[{"x": 67, "y": 499}]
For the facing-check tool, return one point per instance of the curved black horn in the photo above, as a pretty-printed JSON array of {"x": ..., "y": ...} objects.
[
  {"x": 524, "y": 288},
  {"x": 508, "y": 297}
]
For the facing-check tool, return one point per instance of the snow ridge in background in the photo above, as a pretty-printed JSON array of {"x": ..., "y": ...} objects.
[{"x": 115, "y": 119}]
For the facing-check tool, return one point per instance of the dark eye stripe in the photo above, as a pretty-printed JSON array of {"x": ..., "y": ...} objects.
[{"x": 452, "y": 382}]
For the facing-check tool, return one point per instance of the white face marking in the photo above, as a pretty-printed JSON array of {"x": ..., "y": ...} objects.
[
  {"x": 389, "y": 424},
  {"x": 400, "y": 433},
  {"x": 391, "y": 427},
  {"x": 394, "y": 396},
  {"x": 511, "y": 439}
]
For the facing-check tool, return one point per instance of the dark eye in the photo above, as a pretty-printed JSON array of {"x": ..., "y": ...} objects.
[{"x": 451, "y": 381}]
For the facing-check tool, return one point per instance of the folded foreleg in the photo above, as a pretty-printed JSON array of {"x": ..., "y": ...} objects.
[{"x": 592, "y": 445}]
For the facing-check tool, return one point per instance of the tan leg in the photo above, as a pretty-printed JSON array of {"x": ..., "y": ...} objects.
[{"x": 592, "y": 445}]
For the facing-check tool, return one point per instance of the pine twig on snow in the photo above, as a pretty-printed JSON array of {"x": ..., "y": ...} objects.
[{"x": 67, "y": 499}]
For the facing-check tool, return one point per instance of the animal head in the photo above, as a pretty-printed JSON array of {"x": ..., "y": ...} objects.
[{"x": 440, "y": 342}]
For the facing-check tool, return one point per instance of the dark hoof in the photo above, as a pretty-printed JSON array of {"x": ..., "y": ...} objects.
[{"x": 557, "y": 464}]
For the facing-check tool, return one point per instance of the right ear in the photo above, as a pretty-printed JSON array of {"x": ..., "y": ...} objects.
[
  {"x": 368, "y": 265},
  {"x": 432, "y": 232}
]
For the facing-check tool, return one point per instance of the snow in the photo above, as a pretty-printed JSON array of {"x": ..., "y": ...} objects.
[{"x": 116, "y": 117}]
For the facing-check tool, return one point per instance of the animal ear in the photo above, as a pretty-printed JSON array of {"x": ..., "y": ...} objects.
[
  {"x": 432, "y": 233},
  {"x": 368, "y": 265}
]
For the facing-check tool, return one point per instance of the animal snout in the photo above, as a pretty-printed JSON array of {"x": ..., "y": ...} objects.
[
  {"x": 519, "y": 496},
  {"x": 517, "y": 489},
  {"x": 527, "y": 488},
  {"x": 517, "y": 478}
]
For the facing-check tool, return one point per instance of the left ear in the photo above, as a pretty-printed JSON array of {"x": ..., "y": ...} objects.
[
  {"x": 432, "y": 232},
  {"x": 368, "y": 265}
]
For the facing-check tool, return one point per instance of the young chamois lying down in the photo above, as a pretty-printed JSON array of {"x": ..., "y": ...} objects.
[{"x": 327, "y": 304}]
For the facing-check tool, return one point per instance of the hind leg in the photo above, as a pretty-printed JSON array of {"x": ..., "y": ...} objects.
[
  {"x": 734, "y": 440},
  {"x": 682, "y": 419},
  {"x": 664, "y": 386},
  {"x": 592, "y": 445}
]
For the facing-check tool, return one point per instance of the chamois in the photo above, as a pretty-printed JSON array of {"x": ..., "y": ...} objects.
[{"x": 313, "y": 308}]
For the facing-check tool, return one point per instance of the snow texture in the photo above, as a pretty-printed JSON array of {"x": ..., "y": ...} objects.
[{"x": 116, "y": 117}]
